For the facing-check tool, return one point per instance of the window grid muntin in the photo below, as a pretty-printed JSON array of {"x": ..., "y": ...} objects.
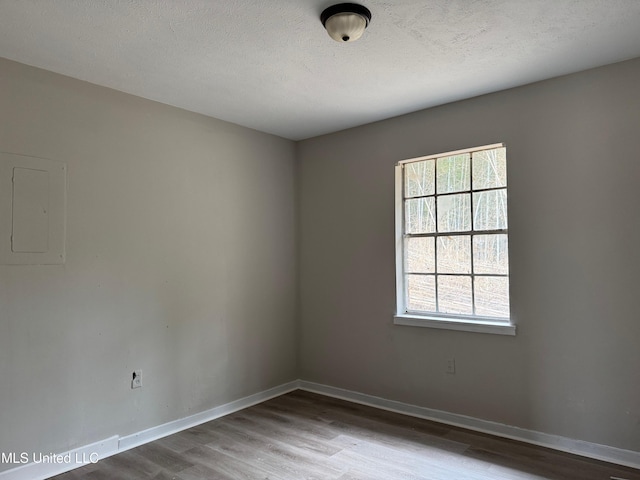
[
  {"x": 471, "y": 232},
  {"x": 480, "y": 190}
]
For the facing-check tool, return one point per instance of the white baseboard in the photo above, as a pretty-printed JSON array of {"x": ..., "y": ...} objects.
[
  {"x": 40, "y": 470},
  {"x": 34, "y": 470},
  {"x": 596, "y": 451}
]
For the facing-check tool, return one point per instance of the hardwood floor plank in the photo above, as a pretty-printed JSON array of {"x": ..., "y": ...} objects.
[
  {"x": 179, "y": 442},
  {"x": 224, "y": 466},
  {"x": 372, "y": 422},
  {"x": 384, "y": 467},
  {"x": 129, "y": 465},
  {"x": 551, "y": 464},
  {"x": 296, "y": 438},
  {"x": 306, "y": 463},
  {"x": 430, "y": 463},
  {"x": 163, "y": 457},
  {"x": 295, "y": 420},
  {"x": 162, "y": 475},
  {"x": 411, "y": 439},
  {"x": 384, "y": 416},
  {"x": 199, "y": 472}
]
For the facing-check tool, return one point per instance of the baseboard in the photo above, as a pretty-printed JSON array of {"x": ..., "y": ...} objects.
[
  {"x": 595, "y": 451},
  {"x": 32, "y": 469}
]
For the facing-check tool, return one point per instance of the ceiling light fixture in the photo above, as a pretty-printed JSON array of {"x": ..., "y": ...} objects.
[{"x": 345, "y": 22}]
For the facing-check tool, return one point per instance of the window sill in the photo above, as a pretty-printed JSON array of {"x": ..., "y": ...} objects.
[{"x": 479, "y": 326}]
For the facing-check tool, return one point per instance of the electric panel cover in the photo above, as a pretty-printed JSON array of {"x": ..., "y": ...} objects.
[{"x": 32, "y": 210}]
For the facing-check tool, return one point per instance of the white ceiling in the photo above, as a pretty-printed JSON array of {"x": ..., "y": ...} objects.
[{"x": 270, "y": 65}]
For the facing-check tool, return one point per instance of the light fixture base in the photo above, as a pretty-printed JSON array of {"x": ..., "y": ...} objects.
[{"x": 345, "y": 22}]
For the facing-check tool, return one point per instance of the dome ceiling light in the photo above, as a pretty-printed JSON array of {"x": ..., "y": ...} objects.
[{"x": 345, "y": 22}]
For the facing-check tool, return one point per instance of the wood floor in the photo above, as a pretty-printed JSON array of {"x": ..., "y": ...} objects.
[{"x": 307, "y": 436}]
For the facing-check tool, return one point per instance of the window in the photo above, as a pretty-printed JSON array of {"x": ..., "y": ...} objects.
[{"x": 453, "y": 241}]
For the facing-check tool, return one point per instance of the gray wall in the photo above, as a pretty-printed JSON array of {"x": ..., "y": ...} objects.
[
  {"x": 573, "y": 147},
  {"x": 181, "y": 261}
]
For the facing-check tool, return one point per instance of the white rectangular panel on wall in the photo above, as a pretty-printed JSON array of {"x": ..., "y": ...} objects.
[{"x": 32, "y": 210}]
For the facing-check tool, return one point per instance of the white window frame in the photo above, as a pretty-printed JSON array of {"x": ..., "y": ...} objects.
[{"x": 436, "y": 320}]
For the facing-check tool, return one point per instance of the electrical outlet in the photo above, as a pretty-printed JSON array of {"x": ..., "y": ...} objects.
[
  {"x": 136, "y": 380},
  {"x": 451, "y": 366}
]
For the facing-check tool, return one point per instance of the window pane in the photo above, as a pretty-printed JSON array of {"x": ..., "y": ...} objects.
[
  {"x": 454, "y": 254},
  {"x": 454, "y": 294},
  {"x": 492, "y": 296},
  {"x": 454, "y": 173},
  {"x": 421, "y": 293},
  {"x": 420, "y": 215},
  {"x": 491, "y": 254},
  {"x": 489, "y": 210},
  {"x": 454, "y": 213},
  {"x": 419, "y": 178},
  {"x": 420, "y": 255},
  {"x": 490, "y": 168}
]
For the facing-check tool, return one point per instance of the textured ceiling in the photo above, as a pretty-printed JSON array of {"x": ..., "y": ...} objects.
[{"x": 270, "y": 65}]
